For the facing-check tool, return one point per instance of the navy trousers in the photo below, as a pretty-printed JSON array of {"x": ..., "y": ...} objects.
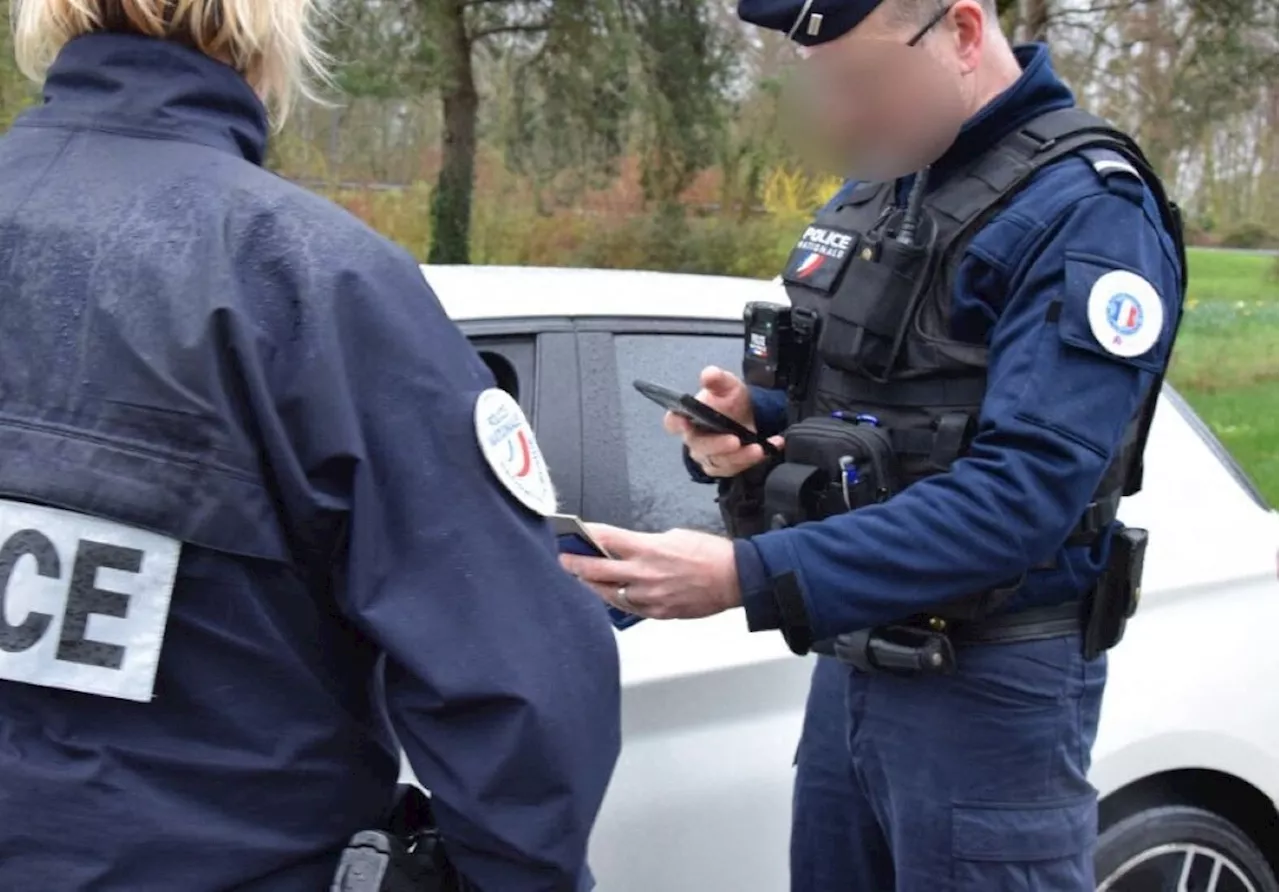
[{"x": 974, "y": 782}]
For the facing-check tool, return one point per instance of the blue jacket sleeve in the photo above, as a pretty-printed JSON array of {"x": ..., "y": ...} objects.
[
  {"x": 770, "y": 410},
  {"x": 1058, "y": 401},
  {"x": 502, "y": 671}
]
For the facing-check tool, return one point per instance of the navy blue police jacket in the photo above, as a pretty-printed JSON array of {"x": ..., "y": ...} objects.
[
  {"x": 195, "y": 347},
  {"x": 1054, "y": 414}
]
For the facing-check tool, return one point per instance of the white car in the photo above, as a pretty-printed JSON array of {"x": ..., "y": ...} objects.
[{"x": 1186, "y": 758}]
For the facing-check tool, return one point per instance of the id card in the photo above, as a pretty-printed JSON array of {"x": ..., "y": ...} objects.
[{"x": 572, "y": 538}]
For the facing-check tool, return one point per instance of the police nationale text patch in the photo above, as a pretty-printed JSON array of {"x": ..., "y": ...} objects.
[
  {"x": 83, "y": 601},
  {"x": 506, "y": 439},
  {"x": 1125, "y": 313},
  {"x": 819, "y": 257}
]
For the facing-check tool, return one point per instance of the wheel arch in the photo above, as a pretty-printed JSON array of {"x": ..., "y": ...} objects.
[{"x": 1226, "y": 795}]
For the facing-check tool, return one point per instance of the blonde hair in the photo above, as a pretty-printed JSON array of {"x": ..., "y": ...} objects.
[{"x": 270, "y": 42}]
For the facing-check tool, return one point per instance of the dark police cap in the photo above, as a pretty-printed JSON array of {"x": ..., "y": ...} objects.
[{"x": 807, "y": 22}]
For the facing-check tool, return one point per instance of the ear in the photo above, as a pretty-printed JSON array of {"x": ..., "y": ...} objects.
[{"x": 969, "y": 24}]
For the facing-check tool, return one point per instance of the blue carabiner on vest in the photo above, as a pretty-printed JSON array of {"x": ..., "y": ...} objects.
[
  {"x": 848, "y": 478},
  {"x": 861, "y": 418}
]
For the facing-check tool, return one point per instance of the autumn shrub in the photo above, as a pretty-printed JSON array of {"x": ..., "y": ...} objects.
[
  {"x": 403, "y": 215},
  {"x": 509, "y": 229},
  {"x": 1250, "y": 235}
]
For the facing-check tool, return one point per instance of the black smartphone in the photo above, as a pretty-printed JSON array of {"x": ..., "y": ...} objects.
[
  {"x": 572, "y": 538},
  {"x": 702, "y": 416}
]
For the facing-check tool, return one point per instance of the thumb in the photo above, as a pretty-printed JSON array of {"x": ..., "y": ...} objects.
[
  {"x": 618, "y": 542},
  {"x": 718, "y": 382}
]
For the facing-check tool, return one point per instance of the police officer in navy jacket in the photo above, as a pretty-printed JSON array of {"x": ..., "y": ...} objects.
[
  {"x": 981, "y": 338},
  {"x": 263, "y": 514}
]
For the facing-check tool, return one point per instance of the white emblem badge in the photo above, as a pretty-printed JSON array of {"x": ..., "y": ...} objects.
[
  {"x": 1125, "y": 313},
  {"x": 508, "y": 444}
]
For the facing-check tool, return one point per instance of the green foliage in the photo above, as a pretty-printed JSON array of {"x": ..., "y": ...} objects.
[
  {"x": 16, "y": 93},
  {"x": 609, "y": 75},
  {"x": 377, "y": 49},
  {"x": 1244, "y": 419},
  {"x": 1226, "y": 359},
  {"x": 1250, "y": 235},
  {"x": 684, "y": 62},
  {"x": 575, "y": 83},
  {"x": 565, "y": 109},
  {"x": 1222, "y": 276}
]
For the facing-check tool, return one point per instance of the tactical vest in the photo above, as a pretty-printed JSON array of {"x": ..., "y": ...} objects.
[{"x": 888, "y": 396}]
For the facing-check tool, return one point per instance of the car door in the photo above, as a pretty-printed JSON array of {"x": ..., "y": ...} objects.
[
  {"x": 536, "y": 362},
  {"x": 710, "y": 713},
  {"x": 633, "y": 472}
]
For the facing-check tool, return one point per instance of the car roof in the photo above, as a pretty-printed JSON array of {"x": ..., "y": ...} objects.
[{"x": 472, "y": 293}]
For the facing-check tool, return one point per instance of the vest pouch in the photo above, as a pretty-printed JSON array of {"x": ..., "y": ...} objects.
[
  {"x": 867, "y": 319},
  {"x": 832, "y": 465}
]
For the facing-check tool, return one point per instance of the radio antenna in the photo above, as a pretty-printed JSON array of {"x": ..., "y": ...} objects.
[{"x": 915, "y": 200}]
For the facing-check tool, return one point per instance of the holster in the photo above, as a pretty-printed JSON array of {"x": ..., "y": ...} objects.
[
  {"x": 896, "y": 650},
  {"x": 1115, "y": 596},
  {"x": 406, "y": 856},
  {"x": 741, "y": 502}
]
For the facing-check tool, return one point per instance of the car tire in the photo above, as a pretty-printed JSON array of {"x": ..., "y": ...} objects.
[{"x": 1148, "y": 851}]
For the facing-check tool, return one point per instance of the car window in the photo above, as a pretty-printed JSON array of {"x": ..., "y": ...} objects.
[
  {"x": 510, "y": 359},
  {"x": 662, "y": 495}
]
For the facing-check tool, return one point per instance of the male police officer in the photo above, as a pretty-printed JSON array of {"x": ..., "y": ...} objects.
[
  {"x": 260, "y": 504},
  {"x": 969, "y": 361}
]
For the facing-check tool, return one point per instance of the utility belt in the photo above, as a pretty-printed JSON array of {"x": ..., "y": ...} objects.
[
  {"x": 927, "y": 645},
  {"x": 407, "y": 856}
]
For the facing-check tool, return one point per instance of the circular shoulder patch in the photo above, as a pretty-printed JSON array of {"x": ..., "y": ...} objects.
[
  {"x": 507, "y": 441},
  {"x": 1125, "y": 313}
]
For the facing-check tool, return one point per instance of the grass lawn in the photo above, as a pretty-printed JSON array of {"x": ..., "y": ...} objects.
[{"x": 1226, "y": 360}]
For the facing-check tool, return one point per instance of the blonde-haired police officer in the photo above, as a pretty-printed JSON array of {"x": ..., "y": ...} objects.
[{"x": 262, "y": 513}]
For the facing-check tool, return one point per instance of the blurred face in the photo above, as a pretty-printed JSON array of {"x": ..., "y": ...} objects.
[{"x": 890, "y": 96}]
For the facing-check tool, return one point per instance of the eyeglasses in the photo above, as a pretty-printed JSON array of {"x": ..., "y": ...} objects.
[{"x": 929, "y": 25}]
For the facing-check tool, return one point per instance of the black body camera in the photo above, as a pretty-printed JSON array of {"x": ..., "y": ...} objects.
[{"x": 778, "y": 343}]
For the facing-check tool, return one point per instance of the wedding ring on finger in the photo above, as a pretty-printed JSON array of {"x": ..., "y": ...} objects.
[{"x": 623, "y": 601}]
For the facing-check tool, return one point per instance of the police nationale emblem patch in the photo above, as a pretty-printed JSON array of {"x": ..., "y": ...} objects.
[
  {"x": 819, "y": 257},
  {"x": 1125, "y": 313},
  {"x": 507, "y": 441}
]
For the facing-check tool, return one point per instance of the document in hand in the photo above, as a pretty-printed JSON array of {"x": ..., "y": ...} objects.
[{"x": 572, "y": 538}]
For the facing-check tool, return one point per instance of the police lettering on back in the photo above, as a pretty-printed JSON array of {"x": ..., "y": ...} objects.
[{"x": 83, "y": 602}]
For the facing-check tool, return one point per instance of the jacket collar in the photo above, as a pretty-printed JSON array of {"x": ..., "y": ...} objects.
[
  {"x": 1038, "y": 90},
  {"x": 126, "y": 83}
]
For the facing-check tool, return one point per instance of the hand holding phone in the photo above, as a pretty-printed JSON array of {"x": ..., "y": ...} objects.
[{"x": 703, "y": 417}]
